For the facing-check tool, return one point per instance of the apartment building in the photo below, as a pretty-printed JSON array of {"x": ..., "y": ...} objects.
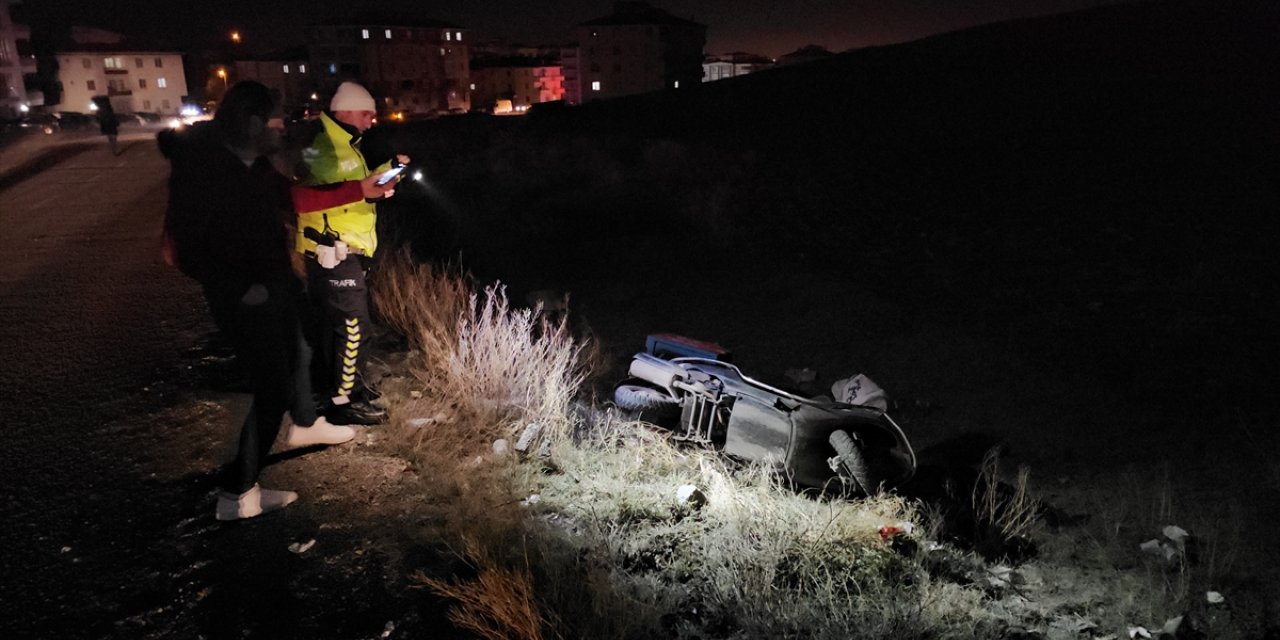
[
  {"x": 513, "y": 84},
  {"x": 17, "y": 64},
  {"x": 134, "y": 78},
  {"x": 287, "y": 73},
  {"x": 412, "y": 66},
  {"x": 635, "y": 49}
]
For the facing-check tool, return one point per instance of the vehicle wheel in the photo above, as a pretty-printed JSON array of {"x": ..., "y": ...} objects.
[
  {"x": 634, "y": 397},
  {"x": 852, "y": 462}
]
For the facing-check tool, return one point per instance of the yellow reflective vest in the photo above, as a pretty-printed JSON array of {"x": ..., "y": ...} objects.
[{"x": 331, "y": 158}]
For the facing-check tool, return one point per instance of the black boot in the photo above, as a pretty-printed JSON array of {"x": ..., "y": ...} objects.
[{"x": 355, "y": 413}]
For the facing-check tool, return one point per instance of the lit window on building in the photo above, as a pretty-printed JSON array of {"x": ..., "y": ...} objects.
[
  {"x": 113, "y": 63},
  {"x": 286, "y": 68},
  {"x": 333, "y": 68},
  {"x": 458, "y": 36},
  {"x": 364, "y": 33},
  {"x": 595, "y": 85},
  {"x": 160, "y": 82},
  {"x": 473, "y": 86},
  {"x": 677, "y": 84},
  {"x": 388, "y": 34},
  {"x": 448, "y": 36},
  {"x": 302, "y": 68}
]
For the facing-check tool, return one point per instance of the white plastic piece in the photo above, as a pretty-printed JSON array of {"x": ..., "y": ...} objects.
[
  {"x": 501, "y": 446},
  {"x": 1213, "y": 597},
  {"x": 302, "y": 547},
  {"x": 526, "y": 438},
  {"x": 691, "y": 495}
]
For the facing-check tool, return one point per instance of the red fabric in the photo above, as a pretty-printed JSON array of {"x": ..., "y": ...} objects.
[{"x": 308, "y": 199}]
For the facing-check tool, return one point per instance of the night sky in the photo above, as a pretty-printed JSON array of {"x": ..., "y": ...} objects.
[{"x": 767, "y": 27}]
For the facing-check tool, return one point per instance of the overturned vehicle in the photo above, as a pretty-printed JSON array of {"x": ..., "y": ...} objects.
[{"x": 816, "y": 442}]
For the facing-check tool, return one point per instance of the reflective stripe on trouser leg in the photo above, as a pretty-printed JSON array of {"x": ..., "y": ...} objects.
[
  {"x": 342, "y": 295},
  {"x": 350, "y": 358}
]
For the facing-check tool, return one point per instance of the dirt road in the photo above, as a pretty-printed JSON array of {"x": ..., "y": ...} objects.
[{"x": 113, "y": 433}]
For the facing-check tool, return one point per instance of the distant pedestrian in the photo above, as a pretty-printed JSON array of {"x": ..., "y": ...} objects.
[
  {"x": 108, "y": 122},
  {"x": 226, "y": 227}
]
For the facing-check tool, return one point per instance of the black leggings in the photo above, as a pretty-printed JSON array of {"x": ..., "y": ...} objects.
[{"x": 270, "y": 348}]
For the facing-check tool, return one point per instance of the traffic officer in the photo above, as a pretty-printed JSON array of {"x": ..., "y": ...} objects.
[{"x": 337, "y": 242}]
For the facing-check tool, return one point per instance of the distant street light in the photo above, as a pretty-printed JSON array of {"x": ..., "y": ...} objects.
[
  {"x": 235, "y": 37},
  {"x": 222, "y": 73}
]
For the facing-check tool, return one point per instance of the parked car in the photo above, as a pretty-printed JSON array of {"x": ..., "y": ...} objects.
[
  {"x": 46, "y": 122},
  {"x": 75, "y": 121}
]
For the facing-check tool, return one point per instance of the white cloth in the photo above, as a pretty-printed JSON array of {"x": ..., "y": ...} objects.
[{"x": 860, "y": 390}]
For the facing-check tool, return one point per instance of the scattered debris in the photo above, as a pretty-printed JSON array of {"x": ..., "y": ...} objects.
[
  {"x": 388, "y": 629},
  {"x": 1169, "y": 629},
  {"x": 416, "y": 395},
  {"x": 1157, "y": 548},
  {"x": 1177, "y": 535},
  {"x": 1073, "y": 624},
  {"x": 66, "y": 549},
  {"x": 544, "y": 450},
  {"x": 1000, "y": 577},
  {"x": 526, "y": 438},
  {"x": 1213, "y": 597},
  {"x": 1171, "y": 548},
  {"x": 531, "y": 500},
  {"x": 501, "y": 446},
  {"x": 302, "y": 547},
  {"x": 419, "y": 422},
  {"x": 890, "y": 530},
  {"x": 691, "y": 495}
]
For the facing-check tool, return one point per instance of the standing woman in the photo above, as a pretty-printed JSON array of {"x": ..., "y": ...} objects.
[{"x": 226, "y": 228}]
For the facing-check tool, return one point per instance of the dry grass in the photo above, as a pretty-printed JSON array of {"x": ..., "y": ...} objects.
[
  {"x": 498, "y": 604},
  {"x": 1010, "y": 514},
  {"x": 607, "y": 550}
]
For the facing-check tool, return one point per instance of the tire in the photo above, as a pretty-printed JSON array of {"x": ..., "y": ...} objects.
[
  {"x": 853, "y": 462},
  {"x": 634, "y": 397}
]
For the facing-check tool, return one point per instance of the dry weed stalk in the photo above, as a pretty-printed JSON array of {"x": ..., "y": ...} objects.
[
  {"x": 1013, "y": 514},
  {"x": 498, "y": 604},
  {"x": 489, "y": 364},
  {"x": 423, "y": 303},
  {"x": 508, "y": 359}
]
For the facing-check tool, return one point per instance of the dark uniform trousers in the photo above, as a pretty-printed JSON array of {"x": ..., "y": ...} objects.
[{"x": 343, "y": 300}]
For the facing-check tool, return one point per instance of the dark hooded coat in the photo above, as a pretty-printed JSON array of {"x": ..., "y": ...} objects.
[{"x": 226, "y": 222}]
